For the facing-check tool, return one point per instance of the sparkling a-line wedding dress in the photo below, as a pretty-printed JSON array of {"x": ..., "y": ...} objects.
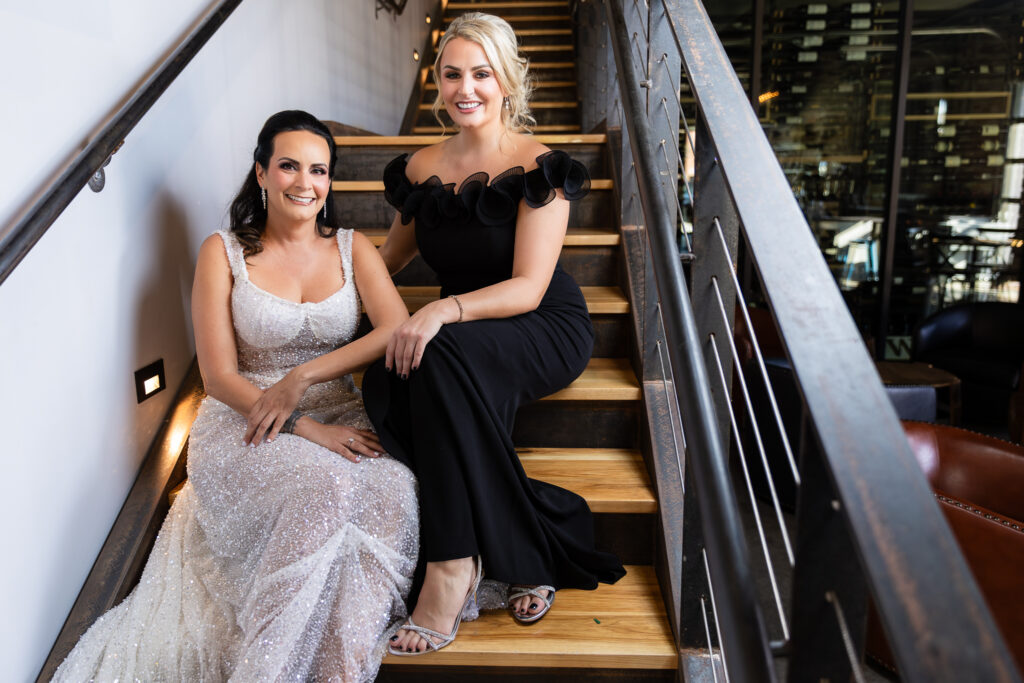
[{"x": 284, "y": 562}]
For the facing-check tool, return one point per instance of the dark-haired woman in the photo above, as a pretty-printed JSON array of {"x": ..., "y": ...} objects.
[
  {"x": 289, "y": 551},
  {"x": 487, "y": 209}
]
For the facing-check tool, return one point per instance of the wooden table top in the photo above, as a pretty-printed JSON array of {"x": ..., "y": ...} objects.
[{"x": 896, "y": 372}]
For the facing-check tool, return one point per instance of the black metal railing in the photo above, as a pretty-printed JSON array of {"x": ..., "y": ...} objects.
[
  {"x": 727, "y": 557},
  {"x": 866, "y": 521},
  {"x": 21, "y": 235}
]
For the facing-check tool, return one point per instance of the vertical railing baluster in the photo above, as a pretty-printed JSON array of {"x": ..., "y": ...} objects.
[
  {"x": 825, "y": 562},
  {"x": 712, "y": 202}
]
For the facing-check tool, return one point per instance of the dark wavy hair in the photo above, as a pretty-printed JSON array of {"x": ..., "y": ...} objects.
[{"x": 248, "y": 217}]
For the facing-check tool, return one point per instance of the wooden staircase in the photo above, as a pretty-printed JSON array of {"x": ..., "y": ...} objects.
[
  {"x": 546, "y": 39},
  {"x": 586, "y": 438}
]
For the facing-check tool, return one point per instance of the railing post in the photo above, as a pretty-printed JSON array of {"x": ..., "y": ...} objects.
[
  {"x": 692, "y": 634},
  {"x": 595, "y": 68},
  {"x": 712, "y": 202},
  {"x": 663, "y": 69},
  {"x": 826, "y": 563},
  {"x": 741, "y": 621}
]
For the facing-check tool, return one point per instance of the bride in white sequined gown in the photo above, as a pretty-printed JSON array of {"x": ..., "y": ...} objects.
[{"x": 286, "y": 561}]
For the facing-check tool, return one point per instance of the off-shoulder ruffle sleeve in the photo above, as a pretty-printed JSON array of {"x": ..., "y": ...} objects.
[
  {"x": 555, "y": 170},
  {"x": 495, "y": 203},
  {"x": 398, "y": 189}
]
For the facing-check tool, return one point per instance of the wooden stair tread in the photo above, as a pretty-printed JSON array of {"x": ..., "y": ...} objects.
[
  {"x": 610, "y": 480},
  {"x": 622, "y": 626},
  {"x": 536, "y": 86},
  {"x": 604, "y": 379},
  {"x": 378, "y": 185},
  {"x": 488, "y": 6},
  {"x": 544, "y": 32},
  {"x": 534, "y": 66},
  {"x": 424, "y": 140},
  {"x": 540, "y": 104},
  {"x": 599, "y": 299},
  {"x": 516, "y": 18},
  {"x": 545, "y": 48},
  {"x": 544, "y": 128},
  {"x": 574, "y": 237}
]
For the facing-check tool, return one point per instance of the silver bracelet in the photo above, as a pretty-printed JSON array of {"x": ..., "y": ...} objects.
[
  {"x": 289, "y": 425},
  {"x": 459, "y": 304}
]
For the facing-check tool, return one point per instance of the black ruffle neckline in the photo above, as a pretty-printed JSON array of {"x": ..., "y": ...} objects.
[{"x": 491, "y": 202}]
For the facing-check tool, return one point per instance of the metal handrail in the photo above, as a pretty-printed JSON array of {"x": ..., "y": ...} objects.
[
  {"x": 740, "y": 619},
  {"x": 939, "y": 626},
  {"x": 925, "y": 593},
  {"x": 19, "y": 238}
]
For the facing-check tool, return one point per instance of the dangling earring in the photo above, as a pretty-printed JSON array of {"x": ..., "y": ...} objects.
[
  {"x": 325, "y": 209},
  {"x": 507, "y": 105},
  {"x": 263, "y": 196}
]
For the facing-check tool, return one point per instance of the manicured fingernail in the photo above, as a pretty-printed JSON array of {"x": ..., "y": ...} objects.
[
  {"x": 394, "y": 638},
  {"x": 269, "y": 440},
  {"x": 376, "y": 454},
  {"x": 533, "y": 605},
  {"x": 415, "y": 367}
]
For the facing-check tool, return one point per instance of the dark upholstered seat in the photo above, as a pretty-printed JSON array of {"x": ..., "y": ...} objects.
[
  {"x": 910, "y": 401},
  {"x": 982, "y": 343}
]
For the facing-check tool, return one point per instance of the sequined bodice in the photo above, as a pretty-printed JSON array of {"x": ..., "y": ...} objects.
[{"x": 274, "y": 334}]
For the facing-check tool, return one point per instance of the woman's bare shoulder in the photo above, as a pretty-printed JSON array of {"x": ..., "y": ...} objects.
[
  {"x": 527, "y": 149},
  {"x": 423, "y": 162},
  {"x": 212, "y": 250}
]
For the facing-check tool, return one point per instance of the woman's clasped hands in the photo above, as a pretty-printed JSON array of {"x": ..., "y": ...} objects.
[{"x": 268, "y": 415}]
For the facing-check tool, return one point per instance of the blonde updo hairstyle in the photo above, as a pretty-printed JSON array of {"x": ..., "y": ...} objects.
[{"x": 499, "y": 44}]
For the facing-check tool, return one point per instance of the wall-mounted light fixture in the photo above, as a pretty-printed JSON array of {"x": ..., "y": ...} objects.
[
  {"x": 415, "y": 55},
  {"x": 428, "y": 19},
  {"x": 150, "y": 380}
]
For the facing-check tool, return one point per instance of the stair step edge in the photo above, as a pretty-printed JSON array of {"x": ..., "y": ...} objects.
[
  {"x": 574, "y": 237},
  {"x": 378, "y": 185},
  {"x": 604, "y": 379},
  {"x": 424, "y": 140}
]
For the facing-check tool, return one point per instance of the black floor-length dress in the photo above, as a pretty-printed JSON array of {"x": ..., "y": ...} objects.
[{"x": 451, "y": 420}]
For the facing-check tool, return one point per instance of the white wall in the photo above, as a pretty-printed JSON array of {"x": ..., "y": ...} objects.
[{"x": 106, "y": 290}]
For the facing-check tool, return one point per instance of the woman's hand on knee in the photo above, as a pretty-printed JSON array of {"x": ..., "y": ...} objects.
[
  {"x": 350, "y": 443},
  {"x": 409, "y": 341}
]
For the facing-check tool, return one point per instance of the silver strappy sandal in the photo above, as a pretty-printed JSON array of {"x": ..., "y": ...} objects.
[
  {"x": 516, "y": 592},
  {"x": 429, "y": 634}
]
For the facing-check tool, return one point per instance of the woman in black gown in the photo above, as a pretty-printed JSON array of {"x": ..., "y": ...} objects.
[{"x": 510, "y": 327}]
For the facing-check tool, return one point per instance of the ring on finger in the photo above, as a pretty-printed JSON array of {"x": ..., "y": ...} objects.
[{"x": 351, "y": 440}]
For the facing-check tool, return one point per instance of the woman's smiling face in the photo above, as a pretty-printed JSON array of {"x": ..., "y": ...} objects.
[
  {"x": 297, "y": 178},
  {"x": 471, "y": 93}
]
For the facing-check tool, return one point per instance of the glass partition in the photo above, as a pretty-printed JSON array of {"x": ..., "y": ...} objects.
[{"x": 825, "y": 101}]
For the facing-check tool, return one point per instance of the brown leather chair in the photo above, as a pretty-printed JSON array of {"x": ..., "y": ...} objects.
[{"x": 979, "y": 483}]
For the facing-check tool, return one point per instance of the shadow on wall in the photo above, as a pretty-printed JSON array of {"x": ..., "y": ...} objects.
[
  {"x": 161, "y": 330},
  {"x": 162, "y": 322}
]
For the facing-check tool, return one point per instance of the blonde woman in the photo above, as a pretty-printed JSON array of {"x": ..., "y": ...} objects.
[{"x": 487, "y": 209}]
